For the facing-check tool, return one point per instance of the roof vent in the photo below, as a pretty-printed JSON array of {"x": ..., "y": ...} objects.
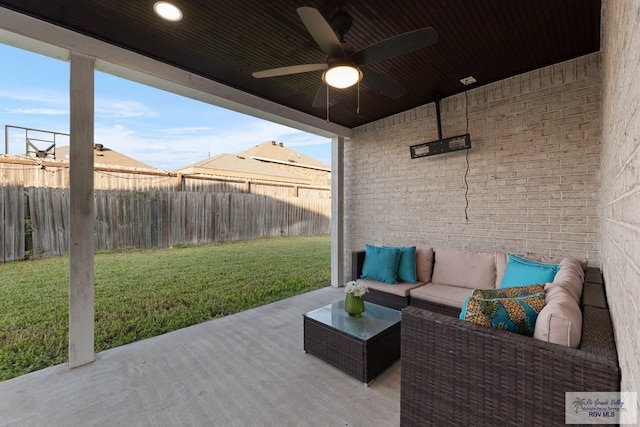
[{"x": 98, "y": 147}]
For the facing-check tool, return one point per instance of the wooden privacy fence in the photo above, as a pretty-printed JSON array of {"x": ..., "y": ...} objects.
[
  {"x": 12, "y": 223},
  {"x": 162, "y": 218}
]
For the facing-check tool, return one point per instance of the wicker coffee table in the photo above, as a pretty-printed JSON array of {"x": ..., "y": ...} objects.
[{"x": 362, "y": 347}]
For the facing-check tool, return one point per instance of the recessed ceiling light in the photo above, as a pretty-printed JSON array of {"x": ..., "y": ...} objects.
[
  {"x": 168, "y": 11},
  {"x": 468, "y": 81}
]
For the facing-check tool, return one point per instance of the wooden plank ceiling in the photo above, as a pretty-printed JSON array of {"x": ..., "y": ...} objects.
[{"x": 227, "y": 40}]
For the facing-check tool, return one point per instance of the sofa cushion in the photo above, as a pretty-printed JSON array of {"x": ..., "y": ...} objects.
[
  {"x": 464, "y": 268},
  {"x": 521, "y": 271},
  {"x": 407, "y": 265},
  {"x": 513, "y": 314},
  {"x": 452, "y": 296},
  {"x": 569, "y": 279},
  {"x": 401, "y": 288},
  {"x": 381, "y": 264},
  {"x": 424, "y": 263},
  {"x": 583, "y": 262},
  {"x": 560, "y": 321}
]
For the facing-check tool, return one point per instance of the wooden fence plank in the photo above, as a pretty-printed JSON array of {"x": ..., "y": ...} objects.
[{"x": 12, "y": 231}]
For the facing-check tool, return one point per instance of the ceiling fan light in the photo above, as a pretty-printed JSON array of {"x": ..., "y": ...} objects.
[
  {"x": 167, "y": 10},
  {"x": 342, "y": 76}
]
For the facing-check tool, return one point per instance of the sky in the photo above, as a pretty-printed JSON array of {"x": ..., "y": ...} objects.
[{"x": 159, "y": 128}]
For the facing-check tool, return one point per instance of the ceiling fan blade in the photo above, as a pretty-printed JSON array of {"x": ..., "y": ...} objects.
[
  {"x": 292, "y": 69},
  {"x": 320, "y": 100},
  {"x": 396, "y": 45},
  {"x": 321, "y": 31},
  {"x": 382, "y": 84}
]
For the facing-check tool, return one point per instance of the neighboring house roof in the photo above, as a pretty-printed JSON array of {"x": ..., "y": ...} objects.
[
  {"x": 242, "y": 167},
  {"x": 105, "y": 156},
  {"x": 272, "y": 151}
]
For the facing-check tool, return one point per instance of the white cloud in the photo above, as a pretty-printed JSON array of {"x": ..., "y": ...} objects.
[
  {"x": 49, "y": 96},
  {"x": 117, "y": 108},
  {"x": 104, "y": 107},
  {"x": 187, "y": 129},
  {"x": 39, "y": 111}
]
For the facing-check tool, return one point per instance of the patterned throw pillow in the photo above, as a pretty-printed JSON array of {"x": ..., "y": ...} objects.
[
  {"x": 516, "y": 291},
  {"x": 510, "y": 309}
]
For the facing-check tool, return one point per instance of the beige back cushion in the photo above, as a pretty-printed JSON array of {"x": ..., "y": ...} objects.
[
  {"x": 501, "y": 266},
  {"x": 465, "y": 268},
  {"x": 424, "y": 263},
  {"x": 569, "y": 279},
  {"x": 560, "y": 321},
  {"x": 577, "y": 263},
  {"x": 582, "y": 262}
]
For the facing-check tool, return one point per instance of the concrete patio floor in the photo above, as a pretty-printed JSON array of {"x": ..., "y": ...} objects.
[{"x": 247, "y": 369}]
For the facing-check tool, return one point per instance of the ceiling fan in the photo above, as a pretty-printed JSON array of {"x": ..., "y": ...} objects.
[{"x": 342, "y": 67}]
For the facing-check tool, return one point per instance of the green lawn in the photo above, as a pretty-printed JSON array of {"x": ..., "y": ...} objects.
[{"x": 143, "y": 293}]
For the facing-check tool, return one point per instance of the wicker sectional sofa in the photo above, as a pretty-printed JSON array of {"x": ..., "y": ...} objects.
[{"x": 459, "y": 373}]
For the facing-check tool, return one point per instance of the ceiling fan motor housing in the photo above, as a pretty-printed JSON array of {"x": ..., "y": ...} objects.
[{"x": 341, "y": 23}]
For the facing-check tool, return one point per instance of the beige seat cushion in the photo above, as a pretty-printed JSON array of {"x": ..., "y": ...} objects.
[
  {"x": 401, "y": 288},
  {"x": 452, "y": 296},
  {"x": 464, "y": 268}
]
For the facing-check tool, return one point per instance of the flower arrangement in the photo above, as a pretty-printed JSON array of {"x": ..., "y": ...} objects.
[{"x": 358, "y": 289}]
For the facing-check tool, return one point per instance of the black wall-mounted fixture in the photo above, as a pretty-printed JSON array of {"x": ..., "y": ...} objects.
[{"x": 441, "y": 145}]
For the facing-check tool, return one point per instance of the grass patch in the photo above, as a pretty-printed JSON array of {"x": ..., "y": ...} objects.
[{"x": 143, "y": 293}]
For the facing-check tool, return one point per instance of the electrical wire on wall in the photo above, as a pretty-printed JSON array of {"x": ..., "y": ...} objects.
[{"x": 466, "y": 183}]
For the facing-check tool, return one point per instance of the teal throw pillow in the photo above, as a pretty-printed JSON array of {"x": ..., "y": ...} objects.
[
  {"x": 515, "y": 314},
  {"x": 521, "y": 271},
  {"x": 407, "y": 265},
  {"x": 381, "y": 264}
]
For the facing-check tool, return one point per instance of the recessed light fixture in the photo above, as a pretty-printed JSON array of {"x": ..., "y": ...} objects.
[
  {"x": 167, "y": 11},
  {"x": 468, "y": 81}
]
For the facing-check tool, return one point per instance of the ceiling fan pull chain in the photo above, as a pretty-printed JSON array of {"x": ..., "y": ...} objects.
[
  {"x": 327, "y": 103},
  {"x": 358, "y": 109}
]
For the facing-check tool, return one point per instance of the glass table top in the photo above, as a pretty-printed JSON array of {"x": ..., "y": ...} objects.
[{"x": 375, "y": 319}]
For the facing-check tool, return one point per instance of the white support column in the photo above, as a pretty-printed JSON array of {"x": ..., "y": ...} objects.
[
  {"x": 337, "y": 211},
  {"x": 81, "y": 212}
]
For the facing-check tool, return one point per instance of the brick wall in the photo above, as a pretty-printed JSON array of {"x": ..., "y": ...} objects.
[
  {"x": 620, "y": 174},
  {"x": 533, "y": 169}
]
